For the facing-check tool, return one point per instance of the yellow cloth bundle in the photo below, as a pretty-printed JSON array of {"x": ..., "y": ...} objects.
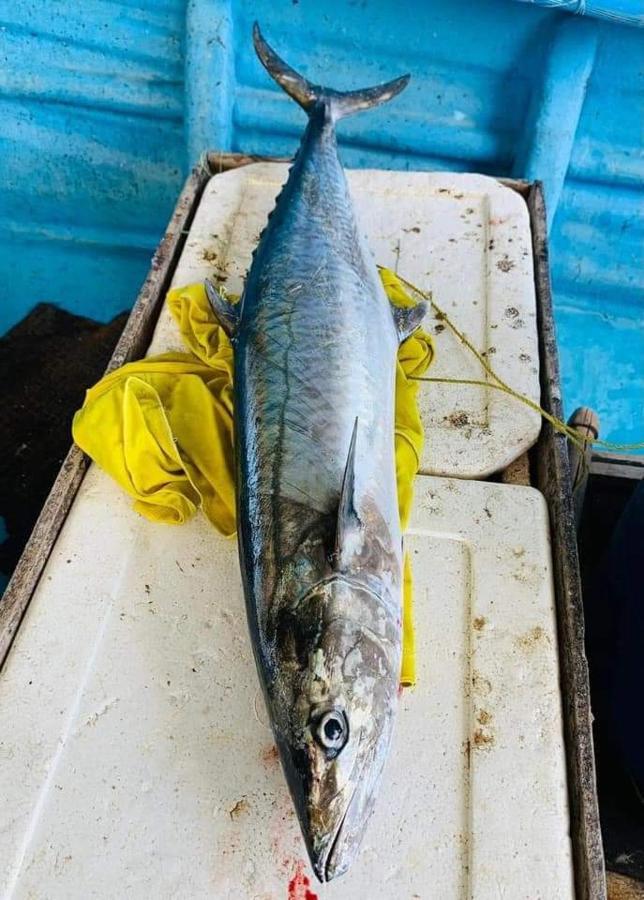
[{"x": 162, "y": 427}]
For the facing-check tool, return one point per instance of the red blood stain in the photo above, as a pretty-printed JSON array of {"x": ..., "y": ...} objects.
[
  {"x": 269, "y": 756},
  {"x": 299, "y": 885}
]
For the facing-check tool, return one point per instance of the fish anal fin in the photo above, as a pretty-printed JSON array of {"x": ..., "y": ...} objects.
[
  {"x": 226, "y": 313},
  {"x": 408, "y": 319},
  {"x": 348, "y": 534}
]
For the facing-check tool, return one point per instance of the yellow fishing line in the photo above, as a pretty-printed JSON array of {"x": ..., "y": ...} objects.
[{"x": 498, "y": 384}]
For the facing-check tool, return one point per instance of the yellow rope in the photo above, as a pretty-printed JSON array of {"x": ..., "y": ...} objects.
[{"x": 560, "y": 426}]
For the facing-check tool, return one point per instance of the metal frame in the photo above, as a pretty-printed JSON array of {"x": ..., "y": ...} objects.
[
  {"x": 553, "y": 479},
  {"x": 550, "y": 474}
]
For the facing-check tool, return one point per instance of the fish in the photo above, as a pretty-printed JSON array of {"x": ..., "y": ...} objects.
[{"x": 315, "y": 344}]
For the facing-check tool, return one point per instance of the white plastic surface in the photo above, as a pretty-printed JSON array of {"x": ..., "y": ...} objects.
[
  {"x": 135, "y": 756},
  {"x": 464, "y": 237}
]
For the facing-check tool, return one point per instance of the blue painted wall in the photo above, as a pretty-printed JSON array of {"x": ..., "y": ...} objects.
[
  {"x": 91, "y": 149},
  {"x": 104, "y": 106}
]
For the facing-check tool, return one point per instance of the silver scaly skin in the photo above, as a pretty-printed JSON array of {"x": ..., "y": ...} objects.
[{"x": 315, "y": 342}]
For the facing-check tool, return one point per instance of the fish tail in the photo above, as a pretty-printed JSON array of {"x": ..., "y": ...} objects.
[{"x": 341, "y": 103}]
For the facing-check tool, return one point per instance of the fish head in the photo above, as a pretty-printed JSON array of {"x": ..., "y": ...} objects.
[{"x": 334, "y": 705}]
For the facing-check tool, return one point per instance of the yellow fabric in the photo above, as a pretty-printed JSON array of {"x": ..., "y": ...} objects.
[{"x": 162, "y": 427}]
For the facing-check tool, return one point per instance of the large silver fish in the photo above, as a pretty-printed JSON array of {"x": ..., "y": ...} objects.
[{"x": 315, "y": 342}]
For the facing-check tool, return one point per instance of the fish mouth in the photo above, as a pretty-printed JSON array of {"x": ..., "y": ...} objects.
[
  {"x": 337, "y": 854},
  {"x": 332, "y": 862}
]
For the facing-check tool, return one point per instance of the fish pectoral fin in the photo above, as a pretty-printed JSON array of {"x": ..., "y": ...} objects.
[
  {"x": 408, "y": 319},
  {"x": 348, "y": 534},
  {"x": 226, "y": 313}
]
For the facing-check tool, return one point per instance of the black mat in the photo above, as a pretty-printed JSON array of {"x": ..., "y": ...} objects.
[{"x": 46, "y": 363}]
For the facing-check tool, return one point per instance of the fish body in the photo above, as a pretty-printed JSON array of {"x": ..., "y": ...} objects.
[{"x": 315, "y": 342}]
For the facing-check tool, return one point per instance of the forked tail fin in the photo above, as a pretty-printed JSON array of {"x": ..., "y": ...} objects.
[{"x": 342, "y": 103}]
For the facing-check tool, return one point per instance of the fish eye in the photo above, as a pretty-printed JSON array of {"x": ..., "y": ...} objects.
[{"x": 332, "y": 730}]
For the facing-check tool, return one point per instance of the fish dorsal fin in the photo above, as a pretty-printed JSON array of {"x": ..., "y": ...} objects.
[
  {"x": 348, "y": 533},
  {"x": 408, "y": 319},
  {"x": 226, "y": 313}
]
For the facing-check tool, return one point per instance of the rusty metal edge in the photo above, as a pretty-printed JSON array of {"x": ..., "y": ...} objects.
[
  {"x": 554, "y": 482},
  {"x": 224, "y": 162},
  {"x": 132, "y": 343}
]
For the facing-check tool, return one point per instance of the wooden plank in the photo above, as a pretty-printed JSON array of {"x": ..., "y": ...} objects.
[
  {"x": 617, "y": 465},
  {"x": 614, "y": 470},
  {"x": 131, "y": 345},
  {"x": 625, "y": 459},
  {"x": 553, "y": 479},
  {"x": 586, "y": 422}
]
